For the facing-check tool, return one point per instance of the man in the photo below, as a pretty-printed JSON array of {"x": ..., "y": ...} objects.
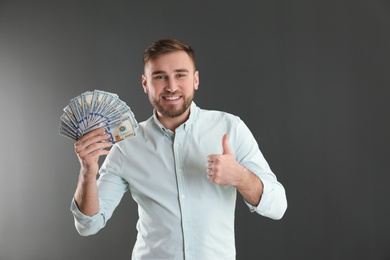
[{"x": 183, "y": 168}]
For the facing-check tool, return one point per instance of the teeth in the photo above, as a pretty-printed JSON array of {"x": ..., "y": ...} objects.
[{"x": 171, "y": 98}]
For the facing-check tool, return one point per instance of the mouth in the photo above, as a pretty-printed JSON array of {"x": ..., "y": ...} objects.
[{"x": 171, "y": 98}]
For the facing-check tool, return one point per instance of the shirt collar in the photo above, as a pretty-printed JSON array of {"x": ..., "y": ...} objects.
[{"x": 193, "y": 113}]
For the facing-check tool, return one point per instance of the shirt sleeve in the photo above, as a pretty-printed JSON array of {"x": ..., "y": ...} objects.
[
  {"x": 86, "y": 225},
  {"x": 111, "y": 187},
  {"x": 273, "y": 202}
]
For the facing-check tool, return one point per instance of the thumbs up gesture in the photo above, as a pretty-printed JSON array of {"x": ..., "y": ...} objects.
[{"x": 223, "y": 169}]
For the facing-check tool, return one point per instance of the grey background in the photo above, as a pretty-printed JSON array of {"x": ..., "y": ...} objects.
[{"x": 310, "y": 79}]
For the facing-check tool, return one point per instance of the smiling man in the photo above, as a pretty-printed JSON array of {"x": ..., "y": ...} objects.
[
  {"x": 183, "y": 168},
  {"x": 170, "y": 81}
]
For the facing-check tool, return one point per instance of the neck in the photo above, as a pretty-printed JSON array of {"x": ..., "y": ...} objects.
[{"x": 172, "y": 123}]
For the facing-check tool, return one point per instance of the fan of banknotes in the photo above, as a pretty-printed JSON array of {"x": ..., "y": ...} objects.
[{"x": 97, "y": 109}]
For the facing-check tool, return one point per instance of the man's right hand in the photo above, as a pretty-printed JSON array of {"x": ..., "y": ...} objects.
[{"x": 89, "y": 148}]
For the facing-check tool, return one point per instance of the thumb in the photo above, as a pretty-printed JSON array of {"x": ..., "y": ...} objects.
[{"x": 225, "y": 145}]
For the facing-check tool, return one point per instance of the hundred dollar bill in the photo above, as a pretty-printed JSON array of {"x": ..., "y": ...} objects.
[{"x": 96, "y": 109}]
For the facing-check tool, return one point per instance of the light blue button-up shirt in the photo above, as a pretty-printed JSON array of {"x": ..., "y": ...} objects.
[{"x": 182, "y": 215}]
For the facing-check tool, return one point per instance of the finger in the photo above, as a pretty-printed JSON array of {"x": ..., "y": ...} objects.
[
  {"x": 81, "y": 145},
  {"x": 209, "y": 169},
  {"x": 209, "y": 164},
  {"x": 211, "y": 177},
  {"x": 210, "y": 173},
  {"x": 92, "y": 158},
  {"x": 211, "y": 158},
  {"x": 225, "y": 145},
  {"x": 91, "y": 134},
  {"x": 91, "y": 149},
  {"x": 100, "y": 152}
]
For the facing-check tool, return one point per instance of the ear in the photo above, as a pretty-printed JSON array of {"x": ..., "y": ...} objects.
[
  {"x": 196, "y": 80},
  {"x": 144, "y": 84}
]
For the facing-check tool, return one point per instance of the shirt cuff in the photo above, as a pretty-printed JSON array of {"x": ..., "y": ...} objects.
[
  {"x": 261, "y": 208},
  {"x": 273, "y": 203},
  {"x": 82, "y": 219}
]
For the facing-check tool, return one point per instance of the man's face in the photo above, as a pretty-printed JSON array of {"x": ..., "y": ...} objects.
[{"x": 170, "y": 82}]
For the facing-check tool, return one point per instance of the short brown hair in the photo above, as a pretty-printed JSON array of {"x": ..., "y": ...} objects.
[{"x": 167, "y": 45}]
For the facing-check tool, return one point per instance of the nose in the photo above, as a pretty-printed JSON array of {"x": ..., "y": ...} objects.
[{"x": 171, "y": 85}]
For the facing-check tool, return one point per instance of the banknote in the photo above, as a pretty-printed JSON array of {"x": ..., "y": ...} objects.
[{"x": 96, "y": 109}]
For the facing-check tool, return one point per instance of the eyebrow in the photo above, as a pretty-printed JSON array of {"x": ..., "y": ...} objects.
[{"x": 163, "y": 72}]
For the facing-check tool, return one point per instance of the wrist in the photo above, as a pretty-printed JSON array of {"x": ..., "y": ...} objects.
[
  {"x": 88, "y": 175},
  {"x": 242, "y": 175}
]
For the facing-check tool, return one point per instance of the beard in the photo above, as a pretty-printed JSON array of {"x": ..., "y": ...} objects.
[{"x": 172, "y": 110}]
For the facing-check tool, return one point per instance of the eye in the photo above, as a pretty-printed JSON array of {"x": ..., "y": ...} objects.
[
  {"x": 180, "y": 75},
  {"x": 160, "y": 77}
]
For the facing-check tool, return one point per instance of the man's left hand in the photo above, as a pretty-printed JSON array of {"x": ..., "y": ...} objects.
[{"x": 223, "y": 169}]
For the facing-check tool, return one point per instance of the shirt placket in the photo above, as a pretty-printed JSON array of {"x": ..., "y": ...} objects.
[{"x": 183, "y": 195}]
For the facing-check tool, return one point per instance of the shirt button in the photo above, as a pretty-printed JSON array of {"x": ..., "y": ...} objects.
[{"x": 183, "y": 196}]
